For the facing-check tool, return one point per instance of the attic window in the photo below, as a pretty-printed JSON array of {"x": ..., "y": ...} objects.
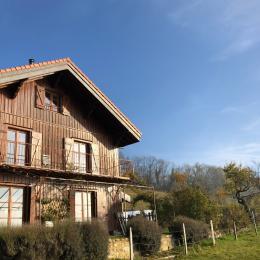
[{"x": 52, "y": 101}]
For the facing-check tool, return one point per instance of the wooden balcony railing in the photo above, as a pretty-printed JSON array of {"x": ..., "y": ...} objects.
[{"x": 33, "y": 155}]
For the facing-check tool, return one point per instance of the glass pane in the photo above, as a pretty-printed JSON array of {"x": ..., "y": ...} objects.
[
  {"x": 82, "y": 148},
  {"x": 3, "y": 222},
  {"x": 4, "y": 193},
  {"x": 17, "y": 195},
  {"x": 16, "y": 222},
  {"x": 3, "y": 210},
  {"x": 22, "y": 137},
  {"x": 78, "y": 200},
  {"x": 76, "y": 147},
  {"x": 78, "y": 213},
  {"x": 17, "y": 210},
  {"x": 10, "y": 152},
  {"x": 11, "y": 135},
  {"x": 21, "y": 154},
  {"x": 47, "y": 100}
]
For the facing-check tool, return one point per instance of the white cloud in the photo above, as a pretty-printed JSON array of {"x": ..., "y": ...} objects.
[
  {"x": 234, "y": 25},
  {"x": 246, "y": 154}
]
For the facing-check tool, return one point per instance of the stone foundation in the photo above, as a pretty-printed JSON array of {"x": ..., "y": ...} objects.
[{"x": 119, "y": 247}]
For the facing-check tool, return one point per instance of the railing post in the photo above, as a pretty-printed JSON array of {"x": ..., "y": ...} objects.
[
  {"x": 212, "y": 233},
  {"x": 131, "y": 244},
  {"x": 185, "y": 239},
  {"x": 235, "y": 230}
]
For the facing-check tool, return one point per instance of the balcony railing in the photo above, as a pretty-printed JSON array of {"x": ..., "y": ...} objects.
[{"x": 52, "y": 157}]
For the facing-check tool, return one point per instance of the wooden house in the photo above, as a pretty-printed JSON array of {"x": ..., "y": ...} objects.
[{"x": 59, "y": 140}]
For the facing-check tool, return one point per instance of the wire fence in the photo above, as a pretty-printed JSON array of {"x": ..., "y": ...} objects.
[{"x": 186, "y": 241}]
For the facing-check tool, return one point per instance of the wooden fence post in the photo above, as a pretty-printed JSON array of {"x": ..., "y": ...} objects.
[
  {"x": 253, "y": 215},
  {"x": 212, "y": 233},
  {"x": 235, "y": 230},
  {"x": 131, "y": 244},
  {"x": 185, "y": 239}
]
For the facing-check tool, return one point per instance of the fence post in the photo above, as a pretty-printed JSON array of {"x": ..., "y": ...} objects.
[
  {"x": 212, "y": 233},
  {"x": 235, "y": 230},
  {"x": 131, "y": 244},
  {"x": 185, "y": 239},
  {"x": 253, "y": 215}
]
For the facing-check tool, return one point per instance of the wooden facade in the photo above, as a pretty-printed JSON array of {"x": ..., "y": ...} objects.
[{"x": 59, "y": 138}]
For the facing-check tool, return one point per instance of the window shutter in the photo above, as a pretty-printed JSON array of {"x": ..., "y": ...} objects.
[
  {"x": 68, "y": 155},
  {"x": 65, "y": 105},
  {"x": 95, "y": 159},
  {"x": 36, "y": 149},
  {"x": 39, "y": 96},
  {"x": 3, "y": 141}
]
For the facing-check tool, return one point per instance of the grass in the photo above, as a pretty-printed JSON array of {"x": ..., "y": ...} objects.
[{"x": 246, "y": 247}]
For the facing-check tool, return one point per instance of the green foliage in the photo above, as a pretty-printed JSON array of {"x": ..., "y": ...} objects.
[
  {"x": 231, "y": 213},
  {"x": 66, "y": 241},
  {"x": 54, "y": 209},
  {"x": 195, "y": 230},
  {"x": 146, "y": 235},
  {"x": 238, "y": 178},
  {"x": 95, "y": 238}
]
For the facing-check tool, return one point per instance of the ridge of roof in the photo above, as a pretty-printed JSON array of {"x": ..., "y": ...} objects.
[
  {"x": 34, "y": 65},
  {"x": 74, "y": 67}
]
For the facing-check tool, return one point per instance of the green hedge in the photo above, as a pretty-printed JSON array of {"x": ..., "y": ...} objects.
[
  {"x": 64, "y": 241},
  {"x": 146, "y": 235},
  {"x": 195, "y": 230}
]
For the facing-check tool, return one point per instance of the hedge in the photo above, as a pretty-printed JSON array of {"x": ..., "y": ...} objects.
[
  {"x": 146, "y": 235},
  {"x": 195, "y": 230},
  {"x": 66, "y": 241}
]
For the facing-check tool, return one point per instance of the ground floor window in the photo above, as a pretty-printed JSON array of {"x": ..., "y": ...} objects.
[
  {"x": 11, "y": 206},
  {"x": 85, "y": 205}
]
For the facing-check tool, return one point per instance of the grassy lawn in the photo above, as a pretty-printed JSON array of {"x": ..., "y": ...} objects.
[{"x": 246, "y": 247}]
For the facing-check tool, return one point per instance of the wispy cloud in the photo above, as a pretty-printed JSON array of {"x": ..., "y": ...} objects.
[
  {"x": 234, "y": 25},
  {"x": 247, "y": 154}
]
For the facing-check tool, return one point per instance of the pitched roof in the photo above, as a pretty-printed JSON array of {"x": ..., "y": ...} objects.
[{"x": 31, "y": 71}]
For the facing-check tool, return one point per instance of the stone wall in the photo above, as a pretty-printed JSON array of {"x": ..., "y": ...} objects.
[
  {"x": 119, "y": 247},
  {"x": 166, "y": 243}
]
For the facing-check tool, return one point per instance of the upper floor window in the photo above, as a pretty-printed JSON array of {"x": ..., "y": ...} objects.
[
  {"x": 82, "y": 156},
  {"x": 52, "y": 101},
  {"x": 48, "y": 99},
  {"x": 17, "y": 147}
]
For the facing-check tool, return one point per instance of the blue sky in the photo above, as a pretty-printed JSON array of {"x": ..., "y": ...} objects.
[{"x": 187, "y": 73}]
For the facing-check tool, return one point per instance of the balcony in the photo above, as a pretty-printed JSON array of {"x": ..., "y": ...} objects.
[{"x": 54, "y": 157}]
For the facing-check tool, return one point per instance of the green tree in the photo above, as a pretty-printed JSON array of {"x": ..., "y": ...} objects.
[{"x": 241, "y": 183}]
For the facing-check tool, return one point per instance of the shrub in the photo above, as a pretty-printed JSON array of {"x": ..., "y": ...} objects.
[
  {"x": 195, "y": 230},
  {"x": 95, "y": 239},
  {"x": 66, "y": 241},
  {"x": 233, "y": 213},
  {"x": 146, "y": 235}
]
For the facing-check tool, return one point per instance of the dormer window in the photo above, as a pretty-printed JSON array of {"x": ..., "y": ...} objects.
[
  {"x": 48, "y": 100},
  {"x": 52, "y": 101}
]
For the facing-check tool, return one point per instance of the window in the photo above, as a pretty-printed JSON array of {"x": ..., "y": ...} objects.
[
  {"x": 52, "y": 101},
  {"x": 11, "y": 206},
  {"x": 85, "y": 205},
  {"x": 17, "y": 147},
  {"x": 82, "y": 157}
]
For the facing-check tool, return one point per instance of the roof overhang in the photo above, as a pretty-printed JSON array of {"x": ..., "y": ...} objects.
[{"x": 43, "y": 69}]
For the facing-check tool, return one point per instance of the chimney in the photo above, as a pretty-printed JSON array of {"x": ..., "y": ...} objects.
[{"x": 31, "y": 61}]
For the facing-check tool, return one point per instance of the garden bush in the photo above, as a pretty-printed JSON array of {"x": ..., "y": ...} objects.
[
  {"x": 95, "y": 238},
  {"x": 146, "y": 235},
  {"x": 66, "y": 241},
  {"x": 195, "y": 230}
]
